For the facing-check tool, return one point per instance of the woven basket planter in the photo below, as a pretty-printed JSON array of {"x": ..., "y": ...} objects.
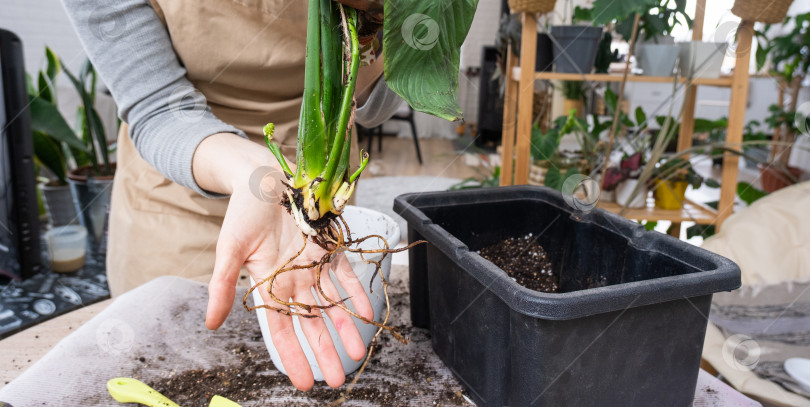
[
  {"x": 532, "y": 6},
  {"x": 766, "y": 11}
]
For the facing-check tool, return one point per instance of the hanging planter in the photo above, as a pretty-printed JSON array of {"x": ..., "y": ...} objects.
[
  {"x": 701, "y": 59},
  {"x": 532, "y": 6},
  {"x": 575, "y": 47},
  {"x": 621, "y": 294},
  {"x": 766, "y": 11}
]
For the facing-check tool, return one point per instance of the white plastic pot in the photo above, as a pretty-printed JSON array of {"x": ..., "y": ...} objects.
[
  {"x": 702, "y": 59},
  {"x": 658, "y": 59},
  {"x": 624, "y": 191},
  {"x": 362, "y": 222}
]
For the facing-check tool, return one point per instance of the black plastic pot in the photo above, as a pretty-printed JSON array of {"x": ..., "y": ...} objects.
[
  {"x": 545, "y": 54},
  {"x": 575, "y": 47},
  {"x": 634, "y": 341}
]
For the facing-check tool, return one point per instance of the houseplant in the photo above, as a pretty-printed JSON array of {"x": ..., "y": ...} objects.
[
  {"x": 91, "y": 178},
  {"x": 52, "y": 136},
  {"x": 421, "y": 41},
  {"x": 656, "y": 52},
  {"x": 789, "y": 56},
  {"x": 629, "y": 289},
  {"x": 604, "y": 54}
]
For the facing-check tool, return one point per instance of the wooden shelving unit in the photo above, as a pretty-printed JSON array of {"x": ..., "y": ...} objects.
[{"x": 517, "y": 123}]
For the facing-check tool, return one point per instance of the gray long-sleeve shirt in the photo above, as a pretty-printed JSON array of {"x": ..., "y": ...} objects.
[{"x": 152, "y": 94}]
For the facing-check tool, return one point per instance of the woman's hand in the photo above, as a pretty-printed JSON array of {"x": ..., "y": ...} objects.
[{"x": 259, "y": 234}]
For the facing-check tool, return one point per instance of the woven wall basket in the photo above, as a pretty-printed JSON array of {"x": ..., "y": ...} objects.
[
  {"x": 532, "y": 6},
  {"x": 766, "y": 11}
]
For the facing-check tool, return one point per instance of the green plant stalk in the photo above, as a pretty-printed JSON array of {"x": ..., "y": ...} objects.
[
  {"x": 327, "y": 113},
  {"x": 311, "y": 148}
]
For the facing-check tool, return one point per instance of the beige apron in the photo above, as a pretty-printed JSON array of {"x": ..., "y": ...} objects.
[{"x": 247, "y": 58}]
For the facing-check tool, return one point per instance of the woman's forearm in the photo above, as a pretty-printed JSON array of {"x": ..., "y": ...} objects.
[{"x": 224, "y": 162}]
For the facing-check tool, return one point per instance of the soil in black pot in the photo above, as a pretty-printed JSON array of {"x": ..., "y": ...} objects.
[{"x": 524, "y": 260}]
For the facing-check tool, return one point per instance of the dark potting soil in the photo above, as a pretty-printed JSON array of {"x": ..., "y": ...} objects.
[
  {"x": 525, "y": 261},
  {"x": 255, "y": 378}
]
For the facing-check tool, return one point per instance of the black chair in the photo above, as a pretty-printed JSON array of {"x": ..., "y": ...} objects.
[{"x": 405, "y": 113}]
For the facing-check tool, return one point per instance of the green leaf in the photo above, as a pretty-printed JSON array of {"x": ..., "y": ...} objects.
[
  {"x": 611, "y": 99},
  {"x": 54, "y": 66},
  {"x": 748, "y": 193},
  {"x": 650, "y": 225},
  {"x": 421, "y": 43},
  {"x": 641, "y": 117},
  {"x": 712, "y": 204},
  {"x": 711, "y": 183},
  {"x": 49, "y": 154},
  {"x": 553, "y": 178},
  {"x": 29, "y": 86},
  {"x": 45, "y": 118},
  {"x": 606, "y": 11},
  {"x": 704, "y": 231},
  {"x": 582, "y": 14},
  {"x": 96, "y": 129},
  {"x": 545, "y": 145},
  {"x": 45, "y": 88}
]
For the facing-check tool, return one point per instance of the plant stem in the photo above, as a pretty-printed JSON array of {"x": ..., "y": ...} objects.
[
  {"x": 311, "y": 151},
  {"x": 619, "y": 98}
]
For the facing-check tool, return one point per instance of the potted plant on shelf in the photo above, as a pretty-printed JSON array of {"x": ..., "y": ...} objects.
[
  {"x": 670, "y": 180},
  {"x": 656, "y": 51},
  {"x": 789, "y": 56},
  {"x": 51, "y": 138},
  {"x": 575, "y": 45}
]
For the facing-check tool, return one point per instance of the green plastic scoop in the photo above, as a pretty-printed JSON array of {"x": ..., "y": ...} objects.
[{"x": 129, "y": 390}]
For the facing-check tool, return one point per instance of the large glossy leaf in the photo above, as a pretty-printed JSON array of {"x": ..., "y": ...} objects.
[
  {"x": 49, "y": 154},
  {"x": 421, "y": 49},
  {"x": 45, "y": 118}
]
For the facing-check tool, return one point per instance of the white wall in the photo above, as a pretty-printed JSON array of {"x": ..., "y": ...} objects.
[
  {"x": 39, "y": 23},
  {"x": 43, "y": 22}
]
